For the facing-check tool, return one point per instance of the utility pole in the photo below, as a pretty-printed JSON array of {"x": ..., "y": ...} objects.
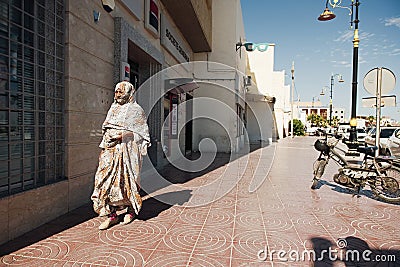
[
  {"x": 330, "y": 102},
  {"x": 292, "y": 122}
]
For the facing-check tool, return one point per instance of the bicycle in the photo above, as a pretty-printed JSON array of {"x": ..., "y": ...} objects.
[{"x": 377, "y": 172}]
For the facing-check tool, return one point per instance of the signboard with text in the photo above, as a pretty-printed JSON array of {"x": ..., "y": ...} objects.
[{"x": 173, "y": 42}]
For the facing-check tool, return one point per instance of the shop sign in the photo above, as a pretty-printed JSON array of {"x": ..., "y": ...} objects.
[{"x": 173, "y": 42}]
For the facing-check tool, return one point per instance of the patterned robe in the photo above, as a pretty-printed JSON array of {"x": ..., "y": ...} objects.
[{"x": 117, "y": 180}]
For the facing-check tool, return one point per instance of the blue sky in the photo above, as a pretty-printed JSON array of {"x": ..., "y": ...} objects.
[{"x": 320, "y": 49}]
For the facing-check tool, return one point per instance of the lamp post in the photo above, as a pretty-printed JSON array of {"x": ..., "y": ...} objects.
[
  {"x": 340, "y": 79},
  {"x": 292, "y": 95},
  {"x": 328, "y": 15}
]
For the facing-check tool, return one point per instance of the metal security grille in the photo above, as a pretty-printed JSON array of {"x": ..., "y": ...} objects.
[{"x": 31, "y": 94}]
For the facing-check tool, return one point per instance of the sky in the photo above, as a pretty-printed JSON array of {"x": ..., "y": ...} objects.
[{"x": 322, "y": 48}]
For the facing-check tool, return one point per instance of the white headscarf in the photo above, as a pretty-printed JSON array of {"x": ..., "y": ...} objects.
[{"x": 128, "y": 116}]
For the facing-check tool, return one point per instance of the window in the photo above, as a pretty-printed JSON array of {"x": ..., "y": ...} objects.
[
  {"x": 31, "y": 94},
  {"x": 386, "y": 133}
]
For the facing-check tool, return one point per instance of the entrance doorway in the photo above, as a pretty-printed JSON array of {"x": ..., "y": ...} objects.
[{"x": 142, "y": 68}]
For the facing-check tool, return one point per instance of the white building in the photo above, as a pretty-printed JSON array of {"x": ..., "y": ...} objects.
[
  {"x": 316, "y": 107},
  {"x": 271, "y": 83},
  {"x": 340, "y": 113},
  {"x": 221, "y": 83}
]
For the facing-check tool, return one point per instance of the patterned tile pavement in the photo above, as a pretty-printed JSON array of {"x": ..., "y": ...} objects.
[{"x": 255, "y": 210}]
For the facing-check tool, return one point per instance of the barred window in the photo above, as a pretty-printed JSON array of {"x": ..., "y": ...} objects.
[{"x": 31, "y": 94}]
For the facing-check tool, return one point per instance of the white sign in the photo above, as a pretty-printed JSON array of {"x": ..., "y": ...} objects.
[
  {"x": 379, "y": 79},
  {"x": 173, "y": 42},
  {"x": 386, "y": 101}
]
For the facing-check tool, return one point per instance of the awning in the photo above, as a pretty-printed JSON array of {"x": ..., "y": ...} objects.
[{"x": 180, "y": 85}]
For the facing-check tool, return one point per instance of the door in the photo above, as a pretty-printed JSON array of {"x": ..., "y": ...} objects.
[{"x": 189, "y": 125}]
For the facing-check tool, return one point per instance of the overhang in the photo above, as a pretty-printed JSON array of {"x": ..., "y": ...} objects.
[
  {"x": 180, "y": 85},
  {"x": 194, "y": 22}
]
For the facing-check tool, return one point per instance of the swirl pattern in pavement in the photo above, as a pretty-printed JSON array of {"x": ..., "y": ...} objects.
[
  {"x": 106, "y": 256},
  {"x": 283, "y": 213}
]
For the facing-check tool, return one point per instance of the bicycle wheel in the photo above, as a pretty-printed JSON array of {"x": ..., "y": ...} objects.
[{"x": 387, "y": 187}]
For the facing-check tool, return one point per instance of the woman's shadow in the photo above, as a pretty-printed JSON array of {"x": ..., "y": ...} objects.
[
  {"x": 358, "y": 253},
  {"x": 354, "y": 252},
  {"x": 154, "y": 205}
]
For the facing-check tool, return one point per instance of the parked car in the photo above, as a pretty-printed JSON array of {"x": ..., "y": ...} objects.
[
  {"x": 311, "y": 130},
  {"x": 394, "y": 144},
  {"x": 385, "y": 134},
  {"x": 361, "y": 133}
]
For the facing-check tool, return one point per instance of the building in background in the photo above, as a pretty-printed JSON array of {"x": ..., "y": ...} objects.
[
  {"x": 316, "y": 107},
  {"x": 340, "y": 113},
  {"x": 271, "y": 83},
  {"x": 261, "y": 122}
]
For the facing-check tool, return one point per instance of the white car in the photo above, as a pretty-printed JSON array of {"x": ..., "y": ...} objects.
[
  {"x": 386, "y": 132},
  {"x": 393, "y": 144},
  {"x": 311, "y": 130}
]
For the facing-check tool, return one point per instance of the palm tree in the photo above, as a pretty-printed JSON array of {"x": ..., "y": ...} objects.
[
  {"x": 316, "y": 120},
  {"x": 335, "y": 121}
]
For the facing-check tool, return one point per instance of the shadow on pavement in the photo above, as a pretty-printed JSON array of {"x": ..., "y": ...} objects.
[
  {"x": 352, "y": 251},
  {"x": 353, "y": 192},
  {"x": 153, "y": 207},
  {"x": 62, "y": 223}
]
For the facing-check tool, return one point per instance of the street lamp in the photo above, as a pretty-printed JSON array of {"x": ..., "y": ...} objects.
[
  {"x": 313, "y": 101},
  {"x": 250, "y": 47},
  {"x": 328, "y": 15},
  {"x": 292, "y": 95},
  {"x": 340, "y": 79}
]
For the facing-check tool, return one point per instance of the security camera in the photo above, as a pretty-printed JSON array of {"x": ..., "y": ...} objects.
[{"x": 108, "y": 5}]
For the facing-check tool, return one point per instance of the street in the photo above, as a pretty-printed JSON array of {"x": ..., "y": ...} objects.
[{"x": 255, "y": 210}]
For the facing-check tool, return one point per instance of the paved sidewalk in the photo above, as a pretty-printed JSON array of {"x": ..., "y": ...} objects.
[{"x": 231, "y": 214}]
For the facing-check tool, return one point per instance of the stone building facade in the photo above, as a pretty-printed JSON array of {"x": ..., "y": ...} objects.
[{"x": 60, "y": 61}]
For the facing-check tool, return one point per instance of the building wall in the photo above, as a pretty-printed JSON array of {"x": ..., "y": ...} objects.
[
  {"x": 260, "y": 122},
  {"x": 262, "y": 64},
  {"x": 340, "y": 113},
  {"x": 215, "y": 110},
  {"x": 221, "y": 78},
  {"x": 89, "y": 50},
  {"x": 272, "y": 83},
  {"x": 282, "y": 105},
  {"x": 89, "y": 90}
]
